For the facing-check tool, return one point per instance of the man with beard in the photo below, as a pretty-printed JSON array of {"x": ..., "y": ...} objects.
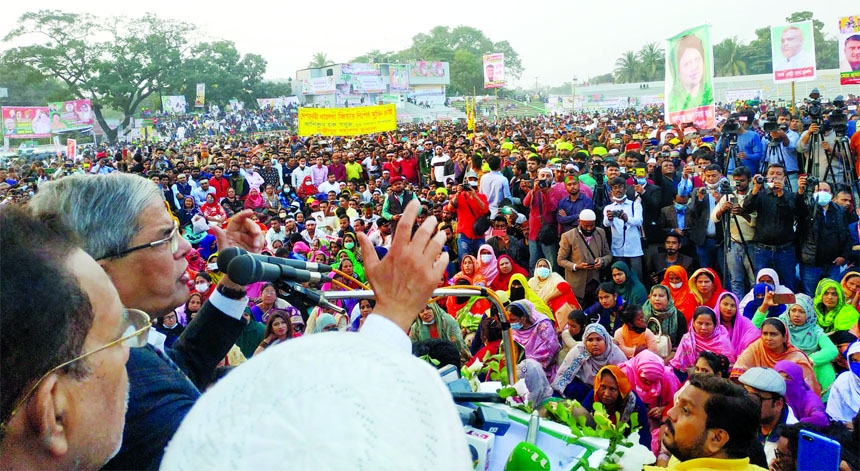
[
  {"x": 672, "y": 256},
  {"x": 397, "y": 199},
  {"x": 583, "y": 252},
  {"x": 570, "y": 207},
  {"x": 701, "y": 435},
  {"x": 705, "y": 233},
  {"x": 741, "y": 229}
]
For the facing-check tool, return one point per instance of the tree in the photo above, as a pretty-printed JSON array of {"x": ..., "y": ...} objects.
[
  {"x": 605, "y": 78},
  {"x": 226, "y": 73},
  {"x": 272, "y": 89},
  {"x": 115, "y": 62},
  {"x": 728, "y": 58},
  {"x": 319, "y": 60},
  {"x": 627, "y": 68},
  {"x": 652, "y": 62},
  {"x": 28, "y": 86}
]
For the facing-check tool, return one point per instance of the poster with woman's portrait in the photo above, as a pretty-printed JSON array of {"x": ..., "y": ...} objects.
[{"x": 690, "y": 78}]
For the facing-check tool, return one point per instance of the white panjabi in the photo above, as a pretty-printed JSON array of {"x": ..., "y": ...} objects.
[{"x": 331, "y": 401}]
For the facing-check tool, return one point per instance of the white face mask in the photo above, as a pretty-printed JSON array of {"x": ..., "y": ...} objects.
[
  {"x": 212, "y": 266},
  {"x": 201, "y": 287},
  {"x": 486, "y": 258},
  {"x": 428, "y": 323},
  {"x": 677, "y": 285}
]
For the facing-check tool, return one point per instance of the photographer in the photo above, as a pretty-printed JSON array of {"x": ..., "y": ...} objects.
[
  {"x": 703, "y": 232},
  {"x": 825, "y": 243},
  {"x": 823, "y": 151},
  {"x": 624, "y": 218},
  {"x": 774, "y": 235},
  {"x": 784, "y": 142},
  {"x": 541, "y": 213},
  {"x": 469, "y": 205},
  {"x": 741, "y": 230},
  {"x": 750, "y": 151}
]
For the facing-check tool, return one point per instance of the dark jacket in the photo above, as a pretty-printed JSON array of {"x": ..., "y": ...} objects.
[
  {"x": 698, "y": 217},
  {"x": 825, "y": 238},
  {"x": 162, "y": 390},
  {"x": 778, "y": 227},
  {"x": 651, "y": 200}
]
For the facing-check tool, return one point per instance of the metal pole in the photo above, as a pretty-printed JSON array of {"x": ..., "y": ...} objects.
[{"x": 793, "y": 100}]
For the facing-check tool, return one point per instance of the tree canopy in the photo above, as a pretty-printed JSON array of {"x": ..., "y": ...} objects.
[
  {"x": 118, "y": 62},
  {"x": 462, "y": 47}
]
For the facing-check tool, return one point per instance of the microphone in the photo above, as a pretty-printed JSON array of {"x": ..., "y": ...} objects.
[
  {"x": 315, "y": 297},
  {"x": 228, "y": 254},
  {"x": 244, "y": 270},
  {"x": 526, "y": 455}
]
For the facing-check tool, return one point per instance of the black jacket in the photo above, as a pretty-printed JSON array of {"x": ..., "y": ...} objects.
[{"x": 824, "y": 238}]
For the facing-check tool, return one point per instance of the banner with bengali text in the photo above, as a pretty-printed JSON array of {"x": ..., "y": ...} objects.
[
  {"x": 793, "y": 52},
  {"x": 173, "y": 104},
  {"x": 357, "y": 84},
  {"x": 494, "y": 70},
  {"x": 347, "y": 121},
  {"x": 689, "y": 93},
  {"x": 735, "y": 95},
  {"x": 849, "y": 50},
  {"x": 318, "y": 86},
  {"x": 358, "y": 68},
  {"x": 69, "y": 115},
  {"x": 26, "y": 122}
]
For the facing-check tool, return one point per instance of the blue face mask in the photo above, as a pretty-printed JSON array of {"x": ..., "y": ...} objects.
[
  {"x": 680, "y": 207},
  {"x": 642, "y": 181},
  {"x": 855, "y": 366},
  {"x": 518, "y": 326},
  {"x": 822, "y": 198}
]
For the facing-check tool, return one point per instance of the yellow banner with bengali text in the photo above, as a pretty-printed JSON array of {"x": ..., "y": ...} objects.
[{"x": 347, "y": 121}]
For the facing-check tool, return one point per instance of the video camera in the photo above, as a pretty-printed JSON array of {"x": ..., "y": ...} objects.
[
  {"x": 838, "y": 120},
  {"x": 771, "y": 124},
  {"x": 725, "y": 188},
  {"x": 598, "y": 172},
  {"x": 814, "y": 109},
  {"x": 731, "y": 127}
]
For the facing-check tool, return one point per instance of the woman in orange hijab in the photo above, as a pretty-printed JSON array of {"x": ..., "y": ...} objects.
[
  {"x": 678, "y": 283},
  {"x": 706, "y": 287}
]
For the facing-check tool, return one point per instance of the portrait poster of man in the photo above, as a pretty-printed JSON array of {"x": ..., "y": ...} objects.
[
  {"x": 849, "y": 50},
  {"x": 690, "y": 78},
  {"x": 793, "y": 52},
  {"x": 494, "y": 70}
]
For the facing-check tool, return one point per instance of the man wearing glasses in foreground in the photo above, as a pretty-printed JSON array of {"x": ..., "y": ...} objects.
[
  {"x": 65, "y": 343},
  {"x": 124, "y": 224}
]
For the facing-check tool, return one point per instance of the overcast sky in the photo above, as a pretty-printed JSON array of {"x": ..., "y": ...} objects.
[{"x": 554, "y": 39}]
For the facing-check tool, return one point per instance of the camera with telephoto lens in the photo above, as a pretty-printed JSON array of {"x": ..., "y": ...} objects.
[
  {"x": 543, "y": 184},
  {"x": 812, "y": 182},
  {"x": 759, "y": 179},
  {"x": 814, "y": 110},
  {"x": 771, "y": 124}
]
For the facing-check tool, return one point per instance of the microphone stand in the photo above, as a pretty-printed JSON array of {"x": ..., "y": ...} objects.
[{"x": 304, "y": 299}]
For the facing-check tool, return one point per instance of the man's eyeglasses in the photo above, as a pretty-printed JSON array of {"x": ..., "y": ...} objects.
[
  {"x": 761, "y": 398},
  {"x": 137, "y": 324},
  {"x": 172, "y": 239}
]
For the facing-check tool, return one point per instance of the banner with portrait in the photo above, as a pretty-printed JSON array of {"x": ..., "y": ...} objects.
[
  {"x": 319, "y": 86},
  {"x": 428, "y": 69},
  {"x": 200, "y": 97},
  {"x": 70, "y": 115},
  {"x": 173, "y": 104},
  {"x": 689, "y": 94},
  {"x": 398, "y": 75},
  {"x": 849, "y": 50},
  {"x": 71, "y": 149},
  {"x": 494, "y": 70},
  {"x": 26, "y": 122},
  {"x": 793, "y": 52}
]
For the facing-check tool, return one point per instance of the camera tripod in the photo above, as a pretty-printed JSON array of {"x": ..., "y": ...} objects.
[
  {"x": 727, "y": 219},
  {"x": 847, "y": 158},
  {"x": 732, "y": 161}
]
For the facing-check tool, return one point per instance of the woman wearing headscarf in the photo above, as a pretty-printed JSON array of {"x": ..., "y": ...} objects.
[
  {"x": 809, "y": 337},
  {"x": 757, "y": 309},
  {"x": 830, "y": 307},
  {"x": 741, "y": 330},
  {"x": 325, "y": 322},
  {"x": 627, "y": 284},
  {"x": 634, "y": 336},
  {"x": 357, "y": 267},
  {"x": 678, "y": 283},
  {"x": 507, "y": 268},
  {"x": 612, "y": 389},
  {"x": 571, "y": 332},
  {"x": 307, "y": 188},
  {"x": 551, "y": 287},
  {"x": 706, "y": 287},
  {"x": 807, "y": 406},
  {"x": 769, "y": 276},
  {"x": 254, "y": 201},
  {"x": 469, "y": 271},
  {"x": 774, "y": 346},
  {"x": 656, "y": 385},
  {"x": 488, "y": 266},
  {"x": 187, "y": 211},
  {"x": 213, "y": 212},
  {"x": 851, "y": 288},
  {"x": 607, "y": 310},
  {"x": 519, "y": 289},
  {"x": 434, "y": 323},
  {"x": 536, "y": 333},
  {"x": 575, "y": 376},
  {"x": 844, "y": 402},
  {"x": 704, "y": 333},
  {"x": 661, "y": 306}
]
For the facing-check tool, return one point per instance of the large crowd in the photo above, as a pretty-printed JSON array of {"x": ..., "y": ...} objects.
[{"x": 637, "y": 259}]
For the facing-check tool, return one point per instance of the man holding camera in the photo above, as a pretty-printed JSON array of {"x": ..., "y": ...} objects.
[
  {"x": 705, "y": 234},
  {"x": 741, "y": 230},
  {"x": 542, "y": 244},
  {"x": 774, "y": 235},
  {"x": 781, "y": 145},
  {"x": 469, "y": 205},
  {"x": 825, "y": 243},
  {"x": 749, "y": 146},
  {"x": 826, "y": 165},
  {"x": 624, "y": 218}
]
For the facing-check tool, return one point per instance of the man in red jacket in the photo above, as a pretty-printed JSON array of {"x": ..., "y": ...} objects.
[
  {"x": 220, "y": 184},
  {"x": 469, "y": 205}
]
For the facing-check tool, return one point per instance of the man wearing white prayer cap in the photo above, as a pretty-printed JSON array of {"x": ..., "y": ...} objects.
[{"x": 582, "y": 252}]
